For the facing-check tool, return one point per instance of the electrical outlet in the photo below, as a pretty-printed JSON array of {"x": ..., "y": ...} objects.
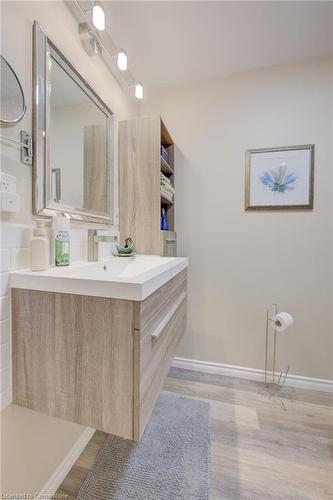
[
  {"x": 7, "y": 183},
  {"x": 9, "y": 202}
]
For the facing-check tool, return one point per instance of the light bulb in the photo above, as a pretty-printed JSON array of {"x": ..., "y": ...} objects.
[
  {"x": 122, "y": 60},
  {"x": 98, "y": 16},
  {"x": 139, "y": 91}
]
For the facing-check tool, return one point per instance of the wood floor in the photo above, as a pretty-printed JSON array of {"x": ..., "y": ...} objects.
[{"x": 263, "y": 446}]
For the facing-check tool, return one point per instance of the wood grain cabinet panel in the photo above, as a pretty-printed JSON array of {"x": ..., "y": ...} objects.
[
  {"x": 156, "y": 356},
  {"x": 73, "y": 358},
  {"x": 169, "y": 243},
  {"x": 140, "y": 197},
  {"x": 139, "y": 183},
  {"x": 95, "y": 360}
]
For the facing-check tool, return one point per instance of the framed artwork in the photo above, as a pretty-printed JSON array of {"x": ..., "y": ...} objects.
[{"x": 279, "y": 178}]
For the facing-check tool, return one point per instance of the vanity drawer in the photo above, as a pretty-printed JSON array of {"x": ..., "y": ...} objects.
[
  {"x": 149, "y": 312},
  {"x": 159, "y": 329},
  {"x": 156, "y": 348}
]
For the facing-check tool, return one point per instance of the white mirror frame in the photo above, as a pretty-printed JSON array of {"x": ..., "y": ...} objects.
[{"x": 43, "y": 48}]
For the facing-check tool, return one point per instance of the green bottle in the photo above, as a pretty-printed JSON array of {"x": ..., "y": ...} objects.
[{"x": 61, "y": 227}]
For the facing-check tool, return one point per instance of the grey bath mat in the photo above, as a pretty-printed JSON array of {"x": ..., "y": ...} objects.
[{"x": 170, "y": 463}]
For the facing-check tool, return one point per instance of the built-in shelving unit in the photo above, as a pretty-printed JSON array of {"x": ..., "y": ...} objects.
[
  {"x": 167, "y": 168},
  {"x": 141, "y": 201},
  {"x": 165, "y": 201}
]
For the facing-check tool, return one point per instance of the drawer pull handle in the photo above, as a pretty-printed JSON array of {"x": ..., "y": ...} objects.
[
  {"x": 170, "y": 240},
  {"x": 157, "y": 332}
]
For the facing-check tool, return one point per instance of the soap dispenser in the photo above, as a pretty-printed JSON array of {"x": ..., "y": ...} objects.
[
  {"x": 61, "y": 234},
  {"x": 40, "y": 248}
]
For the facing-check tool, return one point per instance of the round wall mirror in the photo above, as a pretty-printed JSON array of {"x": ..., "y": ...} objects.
[{"x": 13, "y": 105}]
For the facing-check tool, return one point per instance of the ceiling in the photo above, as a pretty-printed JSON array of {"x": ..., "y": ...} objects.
[{"x": 176, "y": 42}]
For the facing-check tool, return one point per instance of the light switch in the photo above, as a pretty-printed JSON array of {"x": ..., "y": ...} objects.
[
  {"x": 7, "y": 183},
  {"x": 10, "y": 202}
]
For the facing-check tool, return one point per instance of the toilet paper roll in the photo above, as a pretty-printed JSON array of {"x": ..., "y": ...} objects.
[{"x": 282, "y": 321}]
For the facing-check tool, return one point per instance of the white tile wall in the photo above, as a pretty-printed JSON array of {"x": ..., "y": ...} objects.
[
  {"x": 14, "y": 255},
  {"x": 5, "y": 356},
  {"x": 4, "y": 331},
  {"x": 4, "y": 260},
  {"x": 79, "y": 244},
  {"x": 4, "y": 307}
]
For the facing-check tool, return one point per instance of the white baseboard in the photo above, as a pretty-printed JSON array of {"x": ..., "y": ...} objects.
[
  {"x": 61, "y": 472},
  {"x": 316, "y": 384}
]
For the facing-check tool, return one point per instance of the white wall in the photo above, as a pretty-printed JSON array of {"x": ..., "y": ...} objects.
[{"x": 241, "y": 261}]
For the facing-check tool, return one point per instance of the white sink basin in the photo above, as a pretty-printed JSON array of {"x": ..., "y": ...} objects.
[{"x": 132, "y": 278}]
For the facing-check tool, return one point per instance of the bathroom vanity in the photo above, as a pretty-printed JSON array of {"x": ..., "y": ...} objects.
[{"x": 93, "y": 343}]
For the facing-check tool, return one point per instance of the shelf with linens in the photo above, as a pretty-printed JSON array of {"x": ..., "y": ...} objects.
[
  {"x": 165, "y": 200},
  {"x": 146, "y": 185},
  {"x": 167, "y": 182},
  {"x": 166, "y": 169}
]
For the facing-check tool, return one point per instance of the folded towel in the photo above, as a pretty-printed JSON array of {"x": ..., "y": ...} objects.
[
  {"x": 166, "y": 184},
  {"x": 165, "y": 178},
  {"x": 168, "y": 196},
  {"x": 168, "y": 189}
]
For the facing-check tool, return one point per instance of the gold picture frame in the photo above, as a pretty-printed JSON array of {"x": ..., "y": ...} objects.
[{"x": 278, "y": 189}]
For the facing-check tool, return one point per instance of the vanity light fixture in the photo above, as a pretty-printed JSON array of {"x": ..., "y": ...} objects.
[
  {"x": 139, "y": 91},
  {"x": 89, "y": 40},
  {"x": 122, "y": 60},
  {"x": 98, "y": 16},
  {"x": 91, "y": 22}
]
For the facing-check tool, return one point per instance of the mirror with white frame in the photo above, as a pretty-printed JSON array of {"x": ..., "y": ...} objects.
[{"x": 72, "y": 130}]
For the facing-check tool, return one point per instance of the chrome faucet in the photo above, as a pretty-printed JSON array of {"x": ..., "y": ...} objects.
[{"x": 93, "y": 240}]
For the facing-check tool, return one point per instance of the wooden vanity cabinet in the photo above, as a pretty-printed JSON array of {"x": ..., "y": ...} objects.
[{"x": 96, "y": 361}]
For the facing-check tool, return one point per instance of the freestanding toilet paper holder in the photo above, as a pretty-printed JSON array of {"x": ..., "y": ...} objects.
[{"x": 284, "y": 373}]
